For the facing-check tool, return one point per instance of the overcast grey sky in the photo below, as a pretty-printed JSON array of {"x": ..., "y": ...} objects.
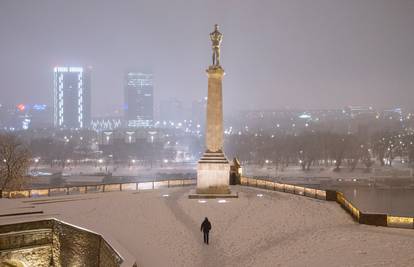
[{"x": 290, "y": 53}]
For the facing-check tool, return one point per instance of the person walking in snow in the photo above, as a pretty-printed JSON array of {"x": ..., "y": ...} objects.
[{"x": 205, "y": 227}]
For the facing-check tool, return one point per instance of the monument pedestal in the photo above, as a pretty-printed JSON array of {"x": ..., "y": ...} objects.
[{"x": 213, "y": 172}]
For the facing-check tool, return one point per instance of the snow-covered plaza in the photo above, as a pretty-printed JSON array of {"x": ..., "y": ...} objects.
[{"x": 260, "y": 228}]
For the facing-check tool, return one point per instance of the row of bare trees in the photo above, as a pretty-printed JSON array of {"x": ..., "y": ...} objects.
[
  {"x": 306, "y": 150},
  {"x": 322, "y": 149}
]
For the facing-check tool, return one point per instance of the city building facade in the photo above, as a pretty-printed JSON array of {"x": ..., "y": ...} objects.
[
  {"x": 139, "y": 99},
  {"x": 72, "y": 97}
]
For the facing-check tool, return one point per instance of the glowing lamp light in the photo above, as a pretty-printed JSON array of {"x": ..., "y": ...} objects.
[
  {"x": 221, "y": 201},
  {"x": 260, "y": 195},
  {"x": 305, "y": 116},
  {"x": 165, "y": 195},
  {"x": 202, "y": 201}
]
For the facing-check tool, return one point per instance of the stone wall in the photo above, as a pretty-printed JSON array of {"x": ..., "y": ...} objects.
[
  {"x": 39, "y": 256},
  {"x": 107, "y": 256},
  {"x": 74, "y": 247},
  {"x": 54, "y": 243}
]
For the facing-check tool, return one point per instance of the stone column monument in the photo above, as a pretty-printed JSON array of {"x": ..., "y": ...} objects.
[{"x": 213, "y": 169}]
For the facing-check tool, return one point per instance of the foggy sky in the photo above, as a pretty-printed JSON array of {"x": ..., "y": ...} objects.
[{"x": 277, "y": 54}]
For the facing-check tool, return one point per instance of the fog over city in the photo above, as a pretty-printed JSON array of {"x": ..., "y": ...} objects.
[
  {"x": 206, "y": 133},
  {"x": 277, "y": 54}
]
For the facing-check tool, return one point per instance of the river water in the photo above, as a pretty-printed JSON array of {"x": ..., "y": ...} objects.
[
  {"x": 392, "y": 201},
  {"x": 385, "y": 197}
]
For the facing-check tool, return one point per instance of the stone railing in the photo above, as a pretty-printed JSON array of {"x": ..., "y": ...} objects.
[
  {"x": 293, "y": 189},
  {"x": 54, "y": 243},
  {"x": 96, "y": 188},
  {"x": 377, "y": 219}
]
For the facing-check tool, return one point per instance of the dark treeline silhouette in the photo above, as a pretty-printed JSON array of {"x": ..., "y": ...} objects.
[
  {"x": 322, "y": 149},
  {"x": 307, "y": 149}
]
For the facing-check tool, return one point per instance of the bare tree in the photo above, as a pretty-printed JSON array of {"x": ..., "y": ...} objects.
[
  {"x": 14, "y": 162},
  {"x": 309, "y": 149},
  {"x": 338, "y": 145},
  {"x": 366, "y": 158},
  {"x": 381, "y": 142}
]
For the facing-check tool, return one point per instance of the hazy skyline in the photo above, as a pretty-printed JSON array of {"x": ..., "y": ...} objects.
[{"x": 309, "y": 54}]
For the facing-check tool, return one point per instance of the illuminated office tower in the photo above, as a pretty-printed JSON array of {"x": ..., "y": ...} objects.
[
  {"x": 139, "y": 99},
  {"x": 72, "y": 97}
]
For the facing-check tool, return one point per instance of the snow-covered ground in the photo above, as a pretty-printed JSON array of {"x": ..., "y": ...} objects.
[{"x": 260, "y": 228}]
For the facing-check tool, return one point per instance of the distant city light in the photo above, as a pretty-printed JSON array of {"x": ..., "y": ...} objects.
[
  {"x": 39, "y": 107},
  {"x": 21, "y": 107},
  {"x": 305, "y": 116}
]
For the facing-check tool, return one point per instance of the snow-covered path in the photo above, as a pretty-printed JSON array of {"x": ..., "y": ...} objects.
[{"x": 260, "y": 228}]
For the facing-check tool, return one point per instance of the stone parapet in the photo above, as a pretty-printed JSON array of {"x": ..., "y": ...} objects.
[{"x": 52, "y": 242}]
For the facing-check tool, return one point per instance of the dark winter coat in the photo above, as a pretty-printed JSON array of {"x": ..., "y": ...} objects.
[{"x": 205, "y": 226}]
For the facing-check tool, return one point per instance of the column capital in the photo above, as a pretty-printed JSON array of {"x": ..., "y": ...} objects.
[{"x": 215, "y": 72}]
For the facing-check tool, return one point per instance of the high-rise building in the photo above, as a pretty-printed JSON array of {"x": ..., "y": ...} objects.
[
  {"x": 139, "y": 99},
  {"x": 172, "y": 109},
  {"x": 72, "y": 97}
]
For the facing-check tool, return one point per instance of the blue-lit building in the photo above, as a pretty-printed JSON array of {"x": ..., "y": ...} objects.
[
  {"x": 139, "y": 99},
  {"x": 72, "y": 97},
  {"x": 25, "y": 116}
]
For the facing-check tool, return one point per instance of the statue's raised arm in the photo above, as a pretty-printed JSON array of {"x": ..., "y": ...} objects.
[{"x": 216, "y": 37}]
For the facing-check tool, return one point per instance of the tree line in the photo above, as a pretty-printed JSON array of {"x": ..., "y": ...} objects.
[
  {"x": 322, "y": 149},
  {"x": 307, "y": 149}
]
